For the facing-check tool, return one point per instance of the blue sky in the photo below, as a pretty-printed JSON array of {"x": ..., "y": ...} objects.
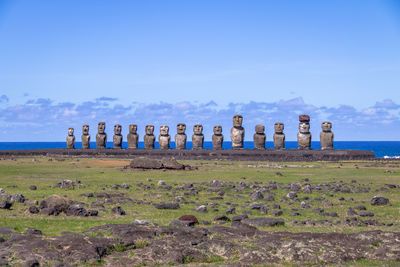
[{"x": 66, "y": 63}]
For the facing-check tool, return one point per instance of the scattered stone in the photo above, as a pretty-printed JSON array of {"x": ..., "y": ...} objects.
[
  {"x": 19, "y": 198},
  {"x": 361, "y": 207},
  {"x": 161, "y": 182},
  {"x": 295, "y": 187},
  {"x": 304, "y": 205},
  {"x": 67, "y": 184},
  {"x": 379, "y": 200},
  {"x": 351, "y": 211},
  {"x": 366, "y": 214},
  {"x": 32, "y": 187},
  {"x": 201, "y": 208},
  {"x": 221, "y": 218},
  {"x": 269, "y": 198},
  {"x": 6, "y": 205},
  {"x": 231, "y": 210},
  {"x": 240, "y": 217},
  {"x": 142, "y": 222},
  {"x": 256, "y": 195},
  {"x": 277, "y": 213},
  {"x": 291, "y": 195},
  {"x": 164, "y": 206},
  {"x": 179, "y": 223},
  {"x": 255, "y": 206},
  {"x": 118, "y": 210},
  {"x": 262, "y": 221},
  {"x": 33, "y": 209},
  {"x": 33, "y": 231}
]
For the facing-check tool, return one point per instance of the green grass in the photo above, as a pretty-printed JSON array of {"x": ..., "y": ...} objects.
[{"x": 98, "y": 174}]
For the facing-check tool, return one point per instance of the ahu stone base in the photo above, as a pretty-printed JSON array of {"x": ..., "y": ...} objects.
[{"x": 206, "y": 154}]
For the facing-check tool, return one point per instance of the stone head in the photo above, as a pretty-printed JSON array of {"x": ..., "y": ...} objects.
[
  {"x": 117, "y": 129},
  {"x": 180, "y": 128},
  {"x": 326, "y": 126},
  {"x": 217, "y": 129},
  {"x": 85, "y": 129},
  {"x": 260, "y": 129},
  {"x": 70, "y": 131},
  {"x": 304, "y": 127},
  {"x": 164, "y": 130},
  {"x": 132, "y": 128},
  {"x": 101, "y": 127},
  {"x": 198, "y": 129},
  {"x": 149, "y": 129},
  {"x": 237, "y": 120},
  {"x": 279, "y": 126}
]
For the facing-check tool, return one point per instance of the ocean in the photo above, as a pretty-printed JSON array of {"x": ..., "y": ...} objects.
[{"x": 382, "y": 149}]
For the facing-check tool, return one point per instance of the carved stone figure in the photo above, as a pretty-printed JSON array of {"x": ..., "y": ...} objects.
[
  {"x": 279, "y": 136},
  {"x": 85, "y": 137},
  {"x": 164, "y": 139},
  {"x": 304, "y": 135},
  {"x": 218, "y": 137},
  {"x": 180, "y": 137},
  {"x": 259, "y": 137},
  {"x": 149, "y": 138},
  {"x": 101, "y": 136},
  {"x": 237, "y": 132},
  {"x": 133, "y": 137},
  {"x": 326, "y": 136},
  {"x": 117, "y": 138},
  {"x": 198, "y": 136},
  {"x": 71, "y": 138}
]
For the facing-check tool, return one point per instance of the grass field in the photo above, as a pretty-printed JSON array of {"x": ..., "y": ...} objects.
[{"x": 99, "y": 175}]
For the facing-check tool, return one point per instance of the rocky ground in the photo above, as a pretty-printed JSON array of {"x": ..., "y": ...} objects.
[{"x": 299, "y": 218}]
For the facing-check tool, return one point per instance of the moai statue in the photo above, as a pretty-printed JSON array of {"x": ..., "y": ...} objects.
[
  {"x": 117, "y": 138},
  {"x": 198, "y": 136},
  {"x": 259, "y": 137},
  {"x": 279, "y": 136},
  {"x": 133, "y": 137},
  {"x": 101, "y": 136},
  {"x": 85, "y": 137},
  {"x": 218, "y": 137},
  {"x": 149, "y": 138},
  {"x": 180, "y": 137},
  {"x": 71, "y": 138},
  {"x": 304, "y": 135},
  {"x": 237, "y": 132},
  {"x": 164, "y": 139},
  {"x": 326, "y": 136}
]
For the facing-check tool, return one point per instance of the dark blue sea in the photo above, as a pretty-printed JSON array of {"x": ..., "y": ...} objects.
[{"x": 380, "y": 148}]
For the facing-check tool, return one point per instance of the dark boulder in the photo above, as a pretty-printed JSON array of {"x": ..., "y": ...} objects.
[
  {"x": 118, "y": 210},
  {"x": 5, "y": 205},
  {"x": 166, "y": 206},
  {"x": 262, "y": 221},
  {"x": 379, "y": 200}
]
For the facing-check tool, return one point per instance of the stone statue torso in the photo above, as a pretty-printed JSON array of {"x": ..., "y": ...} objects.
[
  {"x": 133, "y": 140},
  {"x": 86, "y": 141},
  {"x": 217, "y": 141},
  {"x": 279, "y": 141},
  {"x": 259, "y": 141},
  {"x": 180, "y": 141},
  {"x": 101, "y": 140},
  {"x": 197, "y": 141},
  {"x": 237, "y": 137},
  {"x": 149, "y": 141},
  {"x": 117, "y": 141},
  {"x": 304, "y": 140},
  {"x": 71, "y": 142},
  {"x": 164, "y": 141},
  {"x": 326, "y": 140}
]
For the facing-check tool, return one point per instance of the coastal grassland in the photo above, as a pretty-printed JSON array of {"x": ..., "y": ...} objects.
[{"x": 99, "y": 175}]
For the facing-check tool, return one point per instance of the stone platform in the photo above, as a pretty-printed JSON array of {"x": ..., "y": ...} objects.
[{"x": 206, "y": 154}]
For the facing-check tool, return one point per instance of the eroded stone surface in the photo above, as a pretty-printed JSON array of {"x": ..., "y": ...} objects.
[{"x": 237, "y": 132}]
